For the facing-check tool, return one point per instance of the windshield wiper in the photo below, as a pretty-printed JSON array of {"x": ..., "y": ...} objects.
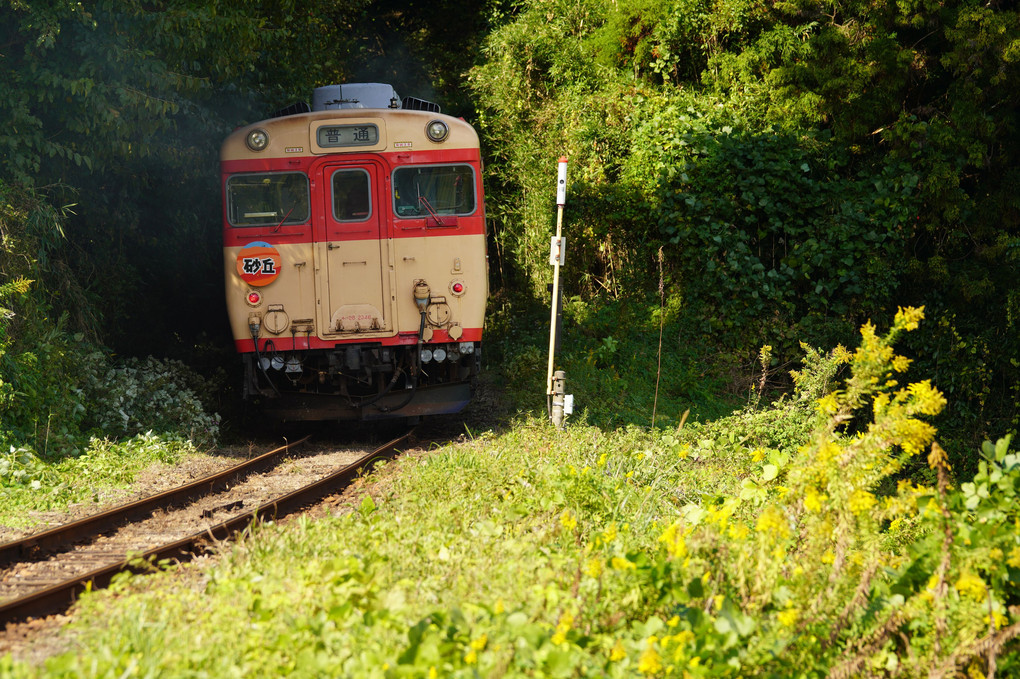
[
  {"x": 284, "y": 219},
  {"x": 423, "y": 201}
]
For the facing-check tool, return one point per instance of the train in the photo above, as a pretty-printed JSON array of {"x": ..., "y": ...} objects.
[{"x": 355, "y": 259}]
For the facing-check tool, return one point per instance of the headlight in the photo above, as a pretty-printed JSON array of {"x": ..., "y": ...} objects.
[
  {"x": 257, "y": 140},
  {"x": 426, "y": 355},
  {"x": 439, "y": 354},
  {"x": 437, "y": 130},
  {"x": 467, "y": 347}
]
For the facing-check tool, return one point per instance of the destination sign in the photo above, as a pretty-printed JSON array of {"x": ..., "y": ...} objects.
[{"x": 347, "y": 135}]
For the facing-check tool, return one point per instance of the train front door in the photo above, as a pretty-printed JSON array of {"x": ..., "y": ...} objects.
[{"x": 354, "y": 292}]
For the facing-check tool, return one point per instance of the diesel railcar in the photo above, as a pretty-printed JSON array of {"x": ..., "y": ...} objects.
[{"x": 354, "y": 251}]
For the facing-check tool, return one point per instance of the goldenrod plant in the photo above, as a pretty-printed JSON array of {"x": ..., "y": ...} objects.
[{"x": 831, "y": 578}]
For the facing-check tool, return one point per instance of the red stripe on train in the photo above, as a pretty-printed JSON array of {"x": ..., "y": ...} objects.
[{"x": 302, "y": 343}]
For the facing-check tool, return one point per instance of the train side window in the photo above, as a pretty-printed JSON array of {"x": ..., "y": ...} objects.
[
  {"x": 267, "y": 199},
  {"x": 352, "y": 201},
  {"x": 442, "y": 189}
]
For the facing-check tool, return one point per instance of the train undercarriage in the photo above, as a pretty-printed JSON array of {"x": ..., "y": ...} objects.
[{"x": 365, "y": 381}]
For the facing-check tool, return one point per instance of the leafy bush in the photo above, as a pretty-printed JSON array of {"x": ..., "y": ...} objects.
[
  {"x": 774, "y": 240},
  {"x": 148, "y": 394},
  {"x": 55, "y": 386},
  {"x": 21, "y": 467}
]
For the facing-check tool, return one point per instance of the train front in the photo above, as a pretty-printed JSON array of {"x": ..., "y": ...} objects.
[{"x": 354, "y": 257}]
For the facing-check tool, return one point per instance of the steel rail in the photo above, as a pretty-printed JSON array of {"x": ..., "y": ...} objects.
[
  {"x": 31, "y": 547},
  {"x": 59, "y": 597}
]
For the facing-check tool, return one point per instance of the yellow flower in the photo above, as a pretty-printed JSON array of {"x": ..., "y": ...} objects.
[
  {"x": 828, "y": 404},
  {"x": 594, "y": 568},
  {"x": 685, "y": 450},
  {"x": 901, "y": 363},
  {"x": 568, "y": 520},
  {"x": 498, "y": 608},
  {"x": 1014, "y": 558},
  {"x": 602, "y": 460},
  {"x": 738, "y": 531},
  {"x": 673, "y": 622},
  {"x": 828, "y": 451},
  {"x": 471, "y": 657},
  {"x": 972, "y": 586},
  {"x": 565, "y": 624},
  {"x": 813, "y": 500},
  {"x": 772, "y": 522},
  {"x": 861, "y": 501},
  {"x": 914, "y": 434},
  {"x": 758, "y": 455},
  {"x": 908, "y": 318},
  {"x": 788, "y": 617},
  {"x": 432, "y": 673},
  {"x": 621, "y": 564},
  {"x": 674, "y": 540},
  {"x": 927, "y": 399},
  {"x": 684, "y": 636},
  {"x": 479, "y": 643},
  {"x": 650, "y": 661},
  {"x": 931, "y": 589},
  {"x": 999, "y": 619},
  {"x": 828, "y": 557},
  {"x": 609, "y": 534},
  {"x": 618, "y": 653}
]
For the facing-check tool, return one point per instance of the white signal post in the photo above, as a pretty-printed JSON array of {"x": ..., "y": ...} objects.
[{"x": 554, "y": 391}]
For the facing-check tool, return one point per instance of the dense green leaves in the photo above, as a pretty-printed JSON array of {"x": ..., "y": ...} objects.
[
  {"x": 770, "y": 228},
  {"x": 810, "y": 165}
]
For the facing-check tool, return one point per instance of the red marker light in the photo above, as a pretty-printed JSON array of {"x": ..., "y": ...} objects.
[
  {"x": 254, "y": 298},
  {"x": 458, "y": 288}
]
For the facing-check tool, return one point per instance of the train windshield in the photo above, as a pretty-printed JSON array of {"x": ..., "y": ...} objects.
[
  {"x": 267, "y": 199},
  {"x": 439, "y": 189}
]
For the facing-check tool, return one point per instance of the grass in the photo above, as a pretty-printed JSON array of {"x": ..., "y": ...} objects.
[
  {"x": 29, "y": 485},
  {"x": 471, "y": 539},
  {"x": 609, "y": 350},
  {"x": 763, "y": 543}
]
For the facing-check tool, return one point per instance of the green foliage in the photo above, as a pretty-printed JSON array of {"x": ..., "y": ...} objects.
[
  {"x": 55, "y": 387},
  {"x": 607, "y": 349},
  {"x": 768, "y": 227},
  {"x": 660, "y": 553},
  {"x": 38, "y": 357},
  {"x": 30, "y": 484},
  {"x": 148, "y": 395},
  {"x": 700, "y": 120}
]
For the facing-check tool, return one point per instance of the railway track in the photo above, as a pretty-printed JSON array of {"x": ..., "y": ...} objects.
[{"x": 44, "y": 573}]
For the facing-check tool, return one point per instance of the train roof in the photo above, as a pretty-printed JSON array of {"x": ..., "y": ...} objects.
[{"x": 381, "y": 130}]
